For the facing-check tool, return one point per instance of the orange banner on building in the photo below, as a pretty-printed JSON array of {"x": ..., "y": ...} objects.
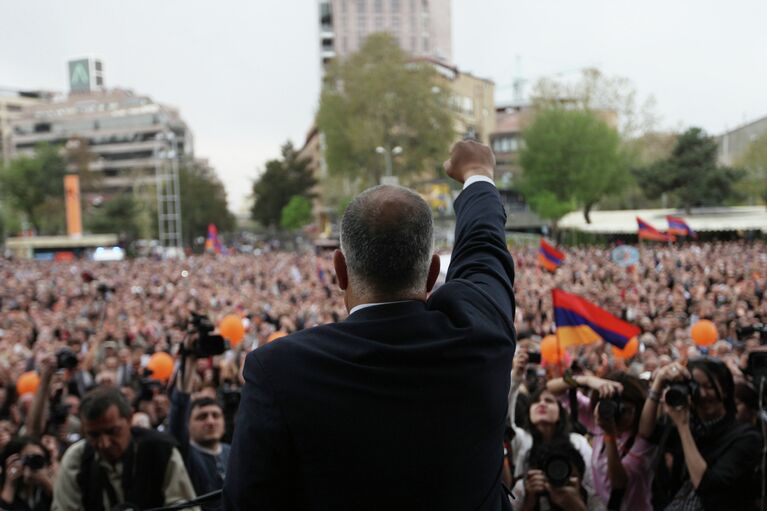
[{"x": 72, "y": 201}]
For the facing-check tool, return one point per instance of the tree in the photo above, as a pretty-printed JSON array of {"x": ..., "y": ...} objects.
[
  {"x": 281, "y": 180},
  {"x": 754, "y": 161},
  {"x": 571, "y": 159},
  {"x": 36, "y": 183},
  {"x": 297, "y": 213},
  {"x": 380, "y": 97},
  {"x": 119, "y": 215},
  {"x": 690, "y": 175},
  {"x": 203, "y": 201}
]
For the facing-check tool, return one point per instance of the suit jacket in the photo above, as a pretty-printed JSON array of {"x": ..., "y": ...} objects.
[{"x": 401, "y": 406}]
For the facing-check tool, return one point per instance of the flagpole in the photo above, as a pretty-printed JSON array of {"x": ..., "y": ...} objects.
[{"x": 556, "y": 333}]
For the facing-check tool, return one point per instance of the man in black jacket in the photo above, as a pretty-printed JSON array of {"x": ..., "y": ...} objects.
[{"x": 402, "y": 405}]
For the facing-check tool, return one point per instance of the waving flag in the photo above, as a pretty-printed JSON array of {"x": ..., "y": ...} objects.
[
  {"x": 549, "y": 257},
  {"x": 678, "y": 226},
  {"x": 648, "y": 232},
  {"x": 581, "y": 322},
  {"x": 212, "y": 243}
]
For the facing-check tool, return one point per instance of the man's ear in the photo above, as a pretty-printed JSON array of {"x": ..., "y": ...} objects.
[
  {"x": 339, "y": 263},
  {"x": 433, "y": 272}
]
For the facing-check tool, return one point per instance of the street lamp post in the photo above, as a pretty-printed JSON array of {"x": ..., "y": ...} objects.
[{"x": 387, "y": 154}]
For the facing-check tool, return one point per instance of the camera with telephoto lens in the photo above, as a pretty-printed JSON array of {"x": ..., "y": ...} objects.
[
  {"x": 33, "y": 461},
  {"x": 610, "y": 408},
  {"x": 66, "y": 359},
  {"x": 206, "y": 345},
  {"x": 679, "y": 393}
]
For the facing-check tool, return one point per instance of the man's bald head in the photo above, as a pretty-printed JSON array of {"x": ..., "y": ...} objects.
[{"x": 387, "y": 240}]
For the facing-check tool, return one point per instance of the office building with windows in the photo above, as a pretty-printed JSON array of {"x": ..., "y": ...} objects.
[
  {"x": 421, "y": 27},
  {"x": 127, "y": 136}
]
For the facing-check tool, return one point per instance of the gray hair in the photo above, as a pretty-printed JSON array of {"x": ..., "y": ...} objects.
[{"x": 387, "y": 240}]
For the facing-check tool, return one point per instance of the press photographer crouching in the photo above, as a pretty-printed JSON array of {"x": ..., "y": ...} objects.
[
  {"x": 707, "y": 458},
  {"x": 621, "y": 461},
  {"x": 198, "y": 425}
]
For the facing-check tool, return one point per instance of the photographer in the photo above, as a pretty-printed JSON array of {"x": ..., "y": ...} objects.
[
  {"x": 554, "y": 479},
  {"x": 709, "y": 457},
  {"x": 27, "y": 476},
  {"x": 198, "y": 426},
  {"x": 546, "y": 424},
  {"x": 621, "y": 461}
]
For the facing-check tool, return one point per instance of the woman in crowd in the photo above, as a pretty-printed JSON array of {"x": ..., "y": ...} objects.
[
  {"x": 27, "y": 477},
  {"x": 708, "y": 458},
  {"x": 546, "y": 424},
  {"x": 621, "y": 461}
]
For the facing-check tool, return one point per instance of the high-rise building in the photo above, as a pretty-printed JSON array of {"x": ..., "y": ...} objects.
[{"x": 421, "y": 27}]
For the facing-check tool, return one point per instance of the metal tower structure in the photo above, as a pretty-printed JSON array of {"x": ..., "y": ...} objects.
[{"x": 168, "y": 194}]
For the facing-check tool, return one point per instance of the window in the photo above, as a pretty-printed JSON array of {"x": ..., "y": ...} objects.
[
  {"x": 379, "y": 17},
  {"x": 327, "y": 44},
  {"x": 326, "y": 18},
  {"x": 425, "y": 43}
]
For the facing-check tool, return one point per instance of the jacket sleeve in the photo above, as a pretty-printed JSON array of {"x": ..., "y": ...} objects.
[
  {"x": 178, "y": 419},
  {"x": 259, "y": 474},
  {"x": 735, "y": 463},
  {"x": 480, "y": 254}
]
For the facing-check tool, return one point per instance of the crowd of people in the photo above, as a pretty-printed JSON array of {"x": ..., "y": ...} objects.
[{"x": 85, "y": 331}]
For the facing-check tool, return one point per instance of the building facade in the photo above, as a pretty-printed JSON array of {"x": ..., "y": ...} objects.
[
  {"x": 421, "y": 27},
  {"x": 734, "y": 144},
  {"x": 12, "y": 105},
  {"x": 128, "y": 136}
]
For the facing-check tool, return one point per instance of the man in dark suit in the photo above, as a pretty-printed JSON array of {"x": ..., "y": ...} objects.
[{"x": 402, "y": 405}]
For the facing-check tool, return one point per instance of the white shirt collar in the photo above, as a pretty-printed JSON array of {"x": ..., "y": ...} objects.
[{"x": 366, "y": 305}]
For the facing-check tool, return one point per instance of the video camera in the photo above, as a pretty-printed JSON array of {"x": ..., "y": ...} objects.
[
  {"x": 206, "y": 345},
  {"x": 761, "y": 328}
]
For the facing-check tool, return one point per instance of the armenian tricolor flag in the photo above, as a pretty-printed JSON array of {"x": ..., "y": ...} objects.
[
  {"x": 648, "y": 232},
  {"x": 549, "y": 257},
  {"x": 678, "y": 226},
  {"x": 581, "y": 322},
  {"x": 212, "y": 244}
]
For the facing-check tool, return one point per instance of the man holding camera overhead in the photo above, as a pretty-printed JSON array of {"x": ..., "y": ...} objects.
[{"x": 402, "y": 405}]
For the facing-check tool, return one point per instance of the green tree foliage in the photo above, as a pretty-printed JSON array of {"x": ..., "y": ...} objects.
[
  {"x": 380, "y": 97},
  {"x": 690, "y": 176},
  {"x": 118, "y": 215},
  {"x": 297, "y": 213},
  {"x": 203, "y": 201},
  {"x": 571, "y": 159},
  {"x": 754, "y": 161},
  {"x": 34, "y": 186},
  {"x": 281, "y": 180}
]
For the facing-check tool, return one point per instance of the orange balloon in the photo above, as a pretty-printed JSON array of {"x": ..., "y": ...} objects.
[
  {"x": 232, "y": 329},
  {"x": 628, "y": 351},
  {"x": 704, "y": 333},
  {"x": 549, "y": 353},
  {"x": 275, "y": 335},
  {"x": 27, "y": 383},
  {"x": 161, "y": 365}
]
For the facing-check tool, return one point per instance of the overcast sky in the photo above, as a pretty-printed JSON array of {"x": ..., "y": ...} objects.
[{"x": 245, "y": 74}]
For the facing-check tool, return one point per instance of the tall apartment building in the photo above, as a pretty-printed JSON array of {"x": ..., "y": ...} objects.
[
  {"x": 129, "y": 136},
  {"x": 421, "y": 27}
]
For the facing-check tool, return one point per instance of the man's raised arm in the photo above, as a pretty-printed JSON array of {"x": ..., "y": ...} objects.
[{"x": 480, "y": 254}]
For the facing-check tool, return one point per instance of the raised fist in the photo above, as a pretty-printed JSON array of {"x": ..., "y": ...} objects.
[{"x": 469, "y": 158}]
